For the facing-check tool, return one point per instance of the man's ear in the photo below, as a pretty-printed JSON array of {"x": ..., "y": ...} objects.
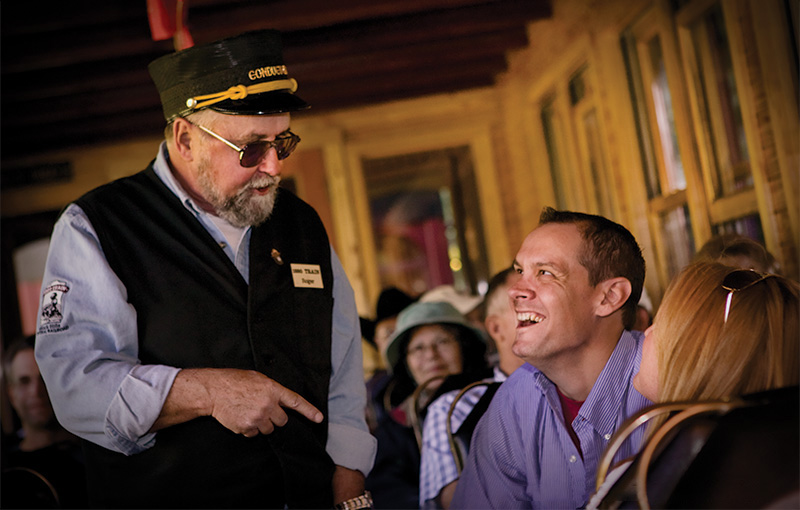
[
  {"x": 615, "y": 292},
  {"x": 182, "y": 138},
  {"x": 492, "y": 325}
]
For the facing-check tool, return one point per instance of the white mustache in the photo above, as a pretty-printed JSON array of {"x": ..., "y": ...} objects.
[{"x": 263, "y": 182}]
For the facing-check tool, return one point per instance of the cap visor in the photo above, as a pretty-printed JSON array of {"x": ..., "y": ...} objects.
[{"x": 262, "y": 104}]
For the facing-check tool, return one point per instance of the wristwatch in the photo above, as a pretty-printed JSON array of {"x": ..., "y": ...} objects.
[{"x": 363, "y": 501}]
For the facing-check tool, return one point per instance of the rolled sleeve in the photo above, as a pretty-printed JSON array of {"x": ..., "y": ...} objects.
[
  {"x": 131, "y": 413},
  {"x": 342, "y": 442},
  {"x": 349, "y": 442},
  {"x": 88, "y": 353}
]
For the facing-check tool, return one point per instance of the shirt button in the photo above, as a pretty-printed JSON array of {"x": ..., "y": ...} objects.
[
  {"x": 222, "y": 245},
  {"x": 573, "y": 459},
  {"x": 607, "y": 436}
]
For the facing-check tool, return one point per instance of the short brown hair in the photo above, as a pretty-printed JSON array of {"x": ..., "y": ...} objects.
[
  {"x": 721, "y": 246},
  {"x": 496, "y": 284},
  {"x": 609, "y": 251}
]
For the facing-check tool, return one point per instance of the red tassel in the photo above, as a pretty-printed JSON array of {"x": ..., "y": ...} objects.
[
  {"x": 168, "y": 19},
  {"x": 161, "y": 14}
]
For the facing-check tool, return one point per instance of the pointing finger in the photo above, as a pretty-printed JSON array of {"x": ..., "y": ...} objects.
[{"x": 292, "y": 400}]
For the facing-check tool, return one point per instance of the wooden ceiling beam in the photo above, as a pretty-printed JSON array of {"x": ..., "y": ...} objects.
[
  {"x": 293, "y": 15},
  {"x": 443, "y": 54},
  {"x": 148, "y": 120},
  {"x": 374, "y": 69},
  {"x": 54, "y": 50},
  {"x": 65, "y": 134},
  {"x": 77, "y": 75},
  {"x": 135, "y": 89},
  {"x": 406, "y": 31}
]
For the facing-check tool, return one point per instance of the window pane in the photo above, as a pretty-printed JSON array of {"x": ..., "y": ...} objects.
[
  {"x": 748, "y": 226},
  {"x": 678, "y": 240},
  {"x": 602, "y": 191},
  {"x": 665, "y": 118},
  {"x": 578, "y": 87},
  {"x": 427, "y": 228},
  {"x": 638, "y": 100},
  {"x": 720, "y": 99},
  {"x": 556, "y": 172},
  {"x": 410, "y": 237}
]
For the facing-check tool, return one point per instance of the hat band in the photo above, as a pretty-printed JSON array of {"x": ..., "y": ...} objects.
[{"x": 240, "y": 92}]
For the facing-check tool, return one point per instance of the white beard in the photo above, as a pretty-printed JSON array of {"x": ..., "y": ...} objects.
[{"x": 244, "y": 208}]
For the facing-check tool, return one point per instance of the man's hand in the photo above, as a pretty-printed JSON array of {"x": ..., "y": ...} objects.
[
  {"x": 244, "y": 401},
  {"x": 248, "y": 402}
]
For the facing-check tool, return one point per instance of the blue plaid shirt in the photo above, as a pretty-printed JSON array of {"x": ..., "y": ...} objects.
[{"x": 521, "y": 454}]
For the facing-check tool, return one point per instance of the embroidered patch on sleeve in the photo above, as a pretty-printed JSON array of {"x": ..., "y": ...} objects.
[{"x": 52, "y": 317}]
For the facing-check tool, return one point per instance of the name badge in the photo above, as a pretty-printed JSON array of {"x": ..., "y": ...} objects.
[{"x": 307, "y": 275}]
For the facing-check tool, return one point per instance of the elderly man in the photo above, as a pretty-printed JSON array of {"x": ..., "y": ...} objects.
[
  {"x": 539, "y": 442},
  {"x": 197, "y": 328}
]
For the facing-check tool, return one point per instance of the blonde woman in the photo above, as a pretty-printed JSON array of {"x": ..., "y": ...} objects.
[{"x": 720, "y": 332}]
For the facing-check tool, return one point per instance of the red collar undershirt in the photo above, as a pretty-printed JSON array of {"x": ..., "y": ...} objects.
[{"x": 570, "y": 409}]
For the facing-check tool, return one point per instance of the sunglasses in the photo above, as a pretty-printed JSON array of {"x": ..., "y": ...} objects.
[
  {"x": 739, "y": 280},
  {"x": 253, "y": 153}
]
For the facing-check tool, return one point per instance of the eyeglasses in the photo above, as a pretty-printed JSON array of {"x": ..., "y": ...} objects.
[
  {"x": 737, "y": 281},
  {"x": 251, "y": 154},
  {"x": 437, "y": 345}
]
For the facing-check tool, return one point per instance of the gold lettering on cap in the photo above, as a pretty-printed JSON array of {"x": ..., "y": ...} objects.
[{"x": 266, "y": 72}]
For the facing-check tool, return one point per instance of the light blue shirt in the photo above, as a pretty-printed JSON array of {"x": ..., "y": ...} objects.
[
  {"x": 522, "y": 456},
  {"x": 438, "y": 466},
  {"x": 87, "y": 343}
]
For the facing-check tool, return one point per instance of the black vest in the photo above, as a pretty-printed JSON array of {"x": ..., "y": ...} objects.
[{"x": 195, "y": 310}]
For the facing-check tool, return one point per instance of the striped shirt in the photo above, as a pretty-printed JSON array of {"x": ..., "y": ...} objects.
[
  {"x": 521, "y": 454},
  {"x": 438, "y": 467}
]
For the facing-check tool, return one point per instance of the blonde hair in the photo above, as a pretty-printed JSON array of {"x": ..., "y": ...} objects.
[{"x": 701, "y": 357}]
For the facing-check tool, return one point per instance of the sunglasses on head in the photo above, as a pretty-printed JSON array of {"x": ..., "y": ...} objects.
[
  {"x": 739, "y": 280},
  {"x": 253, "y": 153}
]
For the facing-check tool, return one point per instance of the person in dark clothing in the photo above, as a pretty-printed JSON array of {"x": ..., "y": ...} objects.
[
  {"x": 43, "y": 464},
  {"x": 390, "y": 303},
  {"x": 207, "y": 343},
  {"x": 434, "y": 349}
]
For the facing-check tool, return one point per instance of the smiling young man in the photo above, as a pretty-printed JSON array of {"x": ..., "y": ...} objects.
[
  {"x": 197, "y": 329},
  {"x": 539, "y": 442}
]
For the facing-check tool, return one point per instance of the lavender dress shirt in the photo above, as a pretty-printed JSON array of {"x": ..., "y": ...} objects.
[{"x": 521, "y": 454}]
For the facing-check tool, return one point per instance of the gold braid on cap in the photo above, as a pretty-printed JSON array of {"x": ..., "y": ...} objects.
[{"x": 241, "y": 92}]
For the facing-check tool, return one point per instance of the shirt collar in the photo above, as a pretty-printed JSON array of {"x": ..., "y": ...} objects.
[
  {"x": 499, "y": 376},
  {"x": 611, "y": 391},
  {"x": 164, "y": 172},
  {"x": 613, "y": 388}
]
